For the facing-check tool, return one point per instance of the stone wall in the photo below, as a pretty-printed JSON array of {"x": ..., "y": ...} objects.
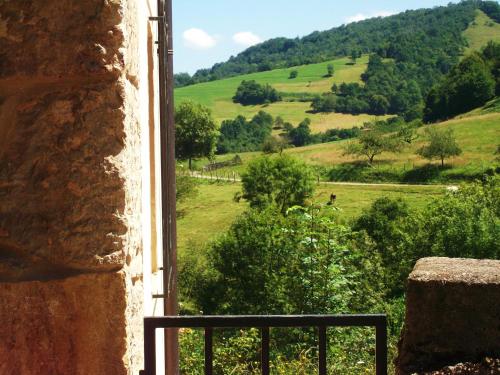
[
  {"x": 452, "y": 316},
  {"x": 72, "y": 185}
]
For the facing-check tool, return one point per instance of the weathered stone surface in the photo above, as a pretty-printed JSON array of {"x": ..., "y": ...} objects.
[
  {"x": 70, "y": 147},
  {"x": 60, "y": 38},
  {"x": 488, "y": 366},
  {"x": 71, "y": 326},
  {"x": 61, "y": 191},
  {"x": 452, "y": 314},
  {"x": 71, "y": 284}
]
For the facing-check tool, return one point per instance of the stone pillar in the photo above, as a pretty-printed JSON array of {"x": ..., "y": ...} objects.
[
  {"x": 73, "y": 116},
  {"x": 452, "y": 316}
]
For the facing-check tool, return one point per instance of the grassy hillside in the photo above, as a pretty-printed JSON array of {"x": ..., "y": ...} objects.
[
  {"x": 477, "y": 133},
  {"x": 481, "y": 31},
  {"x": 311, "y": 79},
  {"x": 213, "y": 210}
]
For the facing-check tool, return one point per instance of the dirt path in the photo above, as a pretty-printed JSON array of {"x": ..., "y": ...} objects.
[{"x": 213, "y": 177}]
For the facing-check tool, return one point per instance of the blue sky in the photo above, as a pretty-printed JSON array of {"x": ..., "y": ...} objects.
[{"x": 206, "y": 32}]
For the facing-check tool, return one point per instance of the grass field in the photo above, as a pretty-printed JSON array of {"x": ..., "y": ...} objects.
[
  {"x": 213, "y": 210},
  {"x": 477, "y": 134},
  {"x": 481, "y": 31},
  {"x": 311, "y": 79}
]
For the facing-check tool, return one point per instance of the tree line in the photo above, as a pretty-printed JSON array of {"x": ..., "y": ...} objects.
[{"x": 429, "y": 38}]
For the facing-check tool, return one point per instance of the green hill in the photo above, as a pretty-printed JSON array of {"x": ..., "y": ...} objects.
[
  {"x": 416, "y": 59},
  {"x": 217, "y": 95},
  {"x": 481, "y": 31},
  {"x": 477, "y": 133},
  {"x": 427, "y": 35}
]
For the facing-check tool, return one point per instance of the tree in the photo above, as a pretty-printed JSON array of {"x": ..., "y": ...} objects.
[
  {"x": 293, "y": 74},
  {"x": 324, "y": 103},
  {"x": 182, "y": 79},
  {"x": 282, "y": 181},
  {"x": 274, "y": 144},
  {"x": 252, "y": 93},
  {"x": 196, "y": 132},
  {"x": 240, "y": 135},
  {"x": 469, "y": 85},
  {"x": 301, "y": 135},
  {"x": 379, "y": 104},
  {"x": 442, "y": 145},
  {"x": 330, "y": 69},
  {"x": 355, "y": 54},
  {"x": 295, "y": 264},
  {"x": 278, "y": 122},
  {"x": 370, "y": 144}
]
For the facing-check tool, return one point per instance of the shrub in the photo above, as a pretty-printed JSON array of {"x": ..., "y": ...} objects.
[{"x": 252, "y": 93}]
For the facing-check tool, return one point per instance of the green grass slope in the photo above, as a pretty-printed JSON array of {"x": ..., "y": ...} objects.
[
  {"x": 478, "y": 134},
  {"x": 481, "y": 31},
  {"x": 213, "y": 210},
  {"x": 217, "y": 95}
]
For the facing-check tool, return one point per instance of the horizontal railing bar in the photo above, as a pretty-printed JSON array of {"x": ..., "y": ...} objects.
[{"x": 260, "y": 321}]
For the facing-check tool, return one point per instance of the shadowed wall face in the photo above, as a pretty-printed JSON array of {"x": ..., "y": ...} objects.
[{"x": 72, "y": 184}]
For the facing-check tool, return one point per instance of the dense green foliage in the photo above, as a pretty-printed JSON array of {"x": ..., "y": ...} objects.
[
  {"x": 282, "y": 181},
  {"x": 304, "y": 261},
  {"x": 240, "y": 135},
  {"x": 491, "y": 54},
  {"x": 425, "y": 37},
  {"x": 196, "y": 132},
  {"x": 442, "y": 145},
  {"x": 301, "y": 135},
  {"x": 464, "y": 224},
  {"x": 389, "y": 87},
  {"x": 297, "y": 263},
  {"x": 470, "y": 84},
  {"x": 252, "y": 93}
]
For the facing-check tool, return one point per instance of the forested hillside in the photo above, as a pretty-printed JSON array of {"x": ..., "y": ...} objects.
[{"x": 427, "y": 38}]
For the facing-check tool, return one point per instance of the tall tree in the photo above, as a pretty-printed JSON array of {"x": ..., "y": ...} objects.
[
  {"x": 442, "y": 144},
  {"x": 196, "y": 132},
  {"x": 301, "y": 135},
  {"x": 330, "y": 69},
  {"x": 469, "y": 85},
  {"x": 282, "y": 181}
]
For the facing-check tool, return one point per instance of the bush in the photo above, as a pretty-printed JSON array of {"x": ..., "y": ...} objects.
[
  {"x": 240, "y": 134},
  {"x": 252, "y": 93},
  {"x": 282, "y": 181},
  {"x": 293, "y": 74},
  {"x": 297, "y": 263}
]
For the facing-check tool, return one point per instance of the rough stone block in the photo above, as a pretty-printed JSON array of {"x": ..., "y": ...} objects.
[
  {"x": 78, "y": 326},
  {"x": 452, "y": 314},
  {"x": 58, "y": 38}
]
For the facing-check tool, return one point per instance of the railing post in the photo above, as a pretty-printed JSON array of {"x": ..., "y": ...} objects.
[
  {"x": 381, "y": 347},
  {"x": 322, "y": 350},
  {"x": 208, "y": 351},
  {"x": 264, "y": 357},
  {"x": 149, "y": 348}
]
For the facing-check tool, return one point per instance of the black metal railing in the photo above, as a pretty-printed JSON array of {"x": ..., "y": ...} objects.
[{"x": 322, "y": 322}]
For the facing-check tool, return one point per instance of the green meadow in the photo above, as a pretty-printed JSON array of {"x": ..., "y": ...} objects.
[
  {"x": 311, "y": 79},
  {"x": 481, "y": 31},
  {"x": 477, "y": 133},
  {"x": 213, "y": 210}
]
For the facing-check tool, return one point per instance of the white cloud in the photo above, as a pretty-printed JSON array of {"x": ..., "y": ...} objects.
[
  {"x": 198, "y": 39},
  {"x": 361, "y": 16},
  {"x": 246, "y": 38}
]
